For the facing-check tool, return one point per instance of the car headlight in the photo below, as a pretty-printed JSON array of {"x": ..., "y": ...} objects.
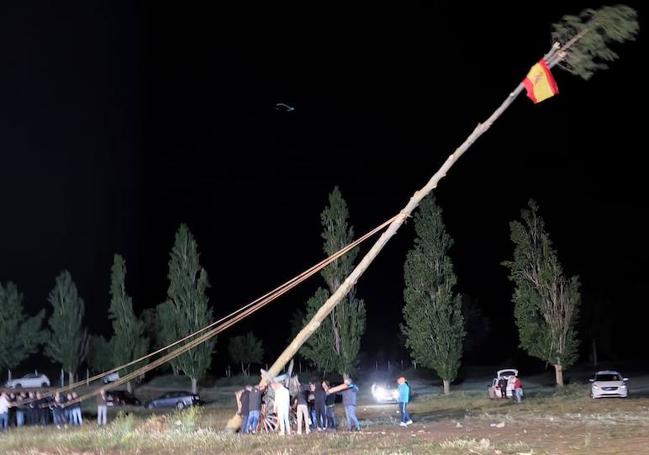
[
  {"x": 378, "y": 392},
  {"x": 623, "y": 386},
  {"x": 595, "y": 386}
]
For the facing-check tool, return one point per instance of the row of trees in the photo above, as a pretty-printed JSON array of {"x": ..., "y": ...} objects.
[
  {"x": 434, "y": 320},
  {"x": 67, "y": 342},
  {"x": 546, "y": 307}
]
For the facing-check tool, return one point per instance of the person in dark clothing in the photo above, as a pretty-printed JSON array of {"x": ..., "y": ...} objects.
[
  {"x": 21, "y": 409},
  {"x": 67, "y": 409},
  {"x": 42, "y": 409},
  {"x": 320, "y": 407},
  {"x": 32, "y": 410},
  {"x": 254, "y": 408},
  {"x": 244, "y": 401},
  {"x": 330, "y": 405},
  {"x": 502, "y": 383},
  {"x": 11, "y": 398},
  {"x": 348, "y": 390},
  {"x": 310, "y": 401},
  {"x": 56, "y": 407},
  {"x": 77, "y": 418}
]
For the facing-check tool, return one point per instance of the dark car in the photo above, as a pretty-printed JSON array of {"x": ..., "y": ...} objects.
[
  {"x": 121, "y": 398},
  {"x": 178, "y": 400}
]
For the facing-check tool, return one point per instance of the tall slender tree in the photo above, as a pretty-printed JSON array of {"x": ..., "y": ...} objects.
[
  {"x": 20, "y": 334},
  {"x": 68, "y": 339},
  {"x": 129, "y": 340},
  {"x": 336, "y": 345},
  {"x": 319, "y": 349},
  {"x": 186, "y": 309},
  {"x": 433, "y": 322},
  {"x": 546, "y": 302}
]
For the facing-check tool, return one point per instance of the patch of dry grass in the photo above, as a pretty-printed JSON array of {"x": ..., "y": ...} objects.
[{"x": 567, "y": 422}]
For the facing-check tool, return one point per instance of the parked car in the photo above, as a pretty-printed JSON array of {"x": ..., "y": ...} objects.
[
  {"x": 609, "y": 384},
  {"x": 110, "y": 378},
  {"x": 29, "y": 380},
  {"x": 493, "y": 389},
  {"x": 178, "y": 400},
  {"x": 121, "y": 398},
  {"x": 384, "y": 393}
]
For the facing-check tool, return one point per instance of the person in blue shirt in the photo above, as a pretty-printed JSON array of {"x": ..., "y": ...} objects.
[
  {"x": 402, "y": 401},
  {"x": 348, "y": 390}
]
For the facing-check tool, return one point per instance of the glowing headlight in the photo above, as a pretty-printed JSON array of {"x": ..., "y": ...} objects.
[
  {"x": 623, "y": 386},
  {"x": 595, "y": 386},
  {"x": 378, "y": 392}
]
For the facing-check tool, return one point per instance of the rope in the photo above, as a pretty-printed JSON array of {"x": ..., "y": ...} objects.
[{"x": 222, "y": 324}]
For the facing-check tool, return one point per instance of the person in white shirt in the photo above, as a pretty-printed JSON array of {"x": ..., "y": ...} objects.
[
  {"x": 282, "y": 406},
  {"x": 4, "y": 411},
  {"x": 510, "y": 387}
]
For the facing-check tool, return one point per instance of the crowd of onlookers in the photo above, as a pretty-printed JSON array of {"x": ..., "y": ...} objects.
[
  {"x": 314, "y": 405},
  {"x": 18, "y": 409}
]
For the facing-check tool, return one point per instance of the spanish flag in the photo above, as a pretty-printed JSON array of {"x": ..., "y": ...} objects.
[{"x": 539, "y": 83}]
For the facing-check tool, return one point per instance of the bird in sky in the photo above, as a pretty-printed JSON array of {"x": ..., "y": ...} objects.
[{"x": 283, "y": 107}]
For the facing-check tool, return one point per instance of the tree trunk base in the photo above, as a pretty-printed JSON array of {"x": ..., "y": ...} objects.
[{"x": 558, "y": 373}]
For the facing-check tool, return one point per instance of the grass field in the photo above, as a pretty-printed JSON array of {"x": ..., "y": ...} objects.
[{"x": 464, "y": 422}]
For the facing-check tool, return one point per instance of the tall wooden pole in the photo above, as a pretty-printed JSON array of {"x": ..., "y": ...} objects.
[{"x": 392, "y": 229}]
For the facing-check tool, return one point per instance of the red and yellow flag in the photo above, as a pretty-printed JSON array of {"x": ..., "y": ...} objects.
[{"x": 539, "y": 83}]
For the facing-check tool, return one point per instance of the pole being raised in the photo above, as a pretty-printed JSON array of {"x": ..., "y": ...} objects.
[{"x": 580, "y": 53}]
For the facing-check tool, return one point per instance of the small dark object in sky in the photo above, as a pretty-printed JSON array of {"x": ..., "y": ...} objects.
[{"x": 282, "y": 107}]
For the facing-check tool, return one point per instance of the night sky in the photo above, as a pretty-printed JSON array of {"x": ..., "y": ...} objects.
[{"x": 119, "y": 120}]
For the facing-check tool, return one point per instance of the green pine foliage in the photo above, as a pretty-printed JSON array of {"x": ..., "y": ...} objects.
[
  {"x": 186, "y": 309},
  {"x": 433, "y": 321},
  {"x": 546, "y": 302},
  {"x": 68, "y": 339},
  {"x": 20, "y": 334},
  {"x": 129, "y": 340},
  {"x": 599, "y": 28},
  {"x": 334, "y": 347}
]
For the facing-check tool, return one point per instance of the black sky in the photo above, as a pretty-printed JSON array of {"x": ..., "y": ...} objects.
[{"x": 119, "y": 120}]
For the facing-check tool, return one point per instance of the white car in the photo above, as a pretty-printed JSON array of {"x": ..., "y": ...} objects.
[
  {"x": 29, "y": 380},
  {"x": 384, "y": 393},
  {"x": 112, "y": 377},
  {"x": 493, "y": 391},
  {"x": 609, "y": 384}
]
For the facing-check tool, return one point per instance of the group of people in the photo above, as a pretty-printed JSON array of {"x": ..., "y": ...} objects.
[
  {"x": 506, "y": 387},
  {"x": 314, "y": 405},
  {"x": 33, "y": 408}
]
